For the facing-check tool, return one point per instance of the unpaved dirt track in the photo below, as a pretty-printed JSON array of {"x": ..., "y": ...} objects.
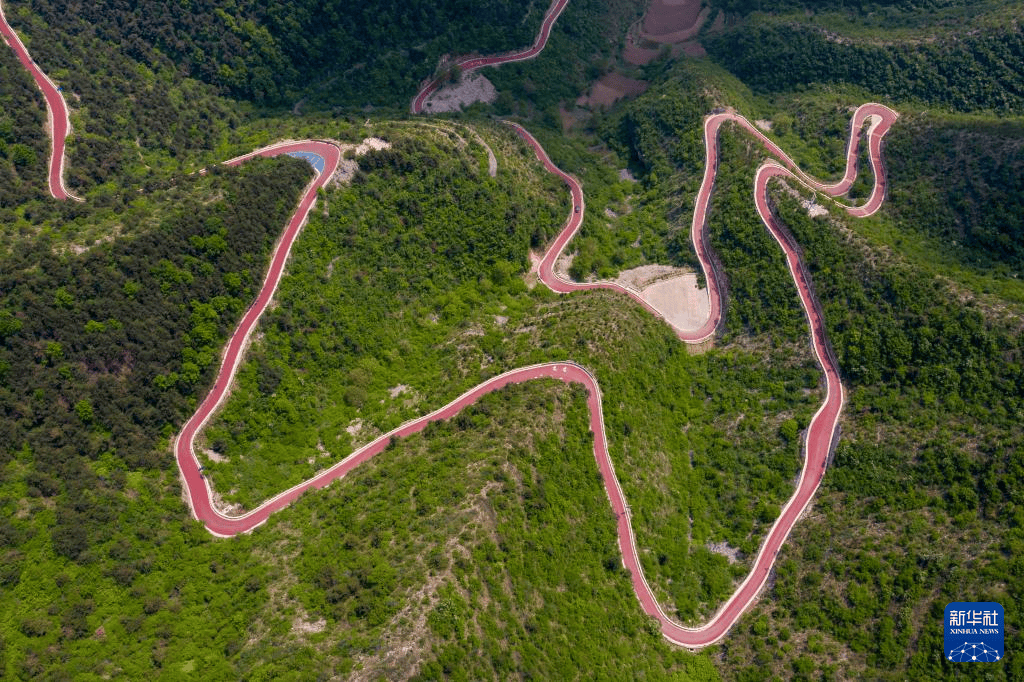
[{"x": 820, "y": 433}]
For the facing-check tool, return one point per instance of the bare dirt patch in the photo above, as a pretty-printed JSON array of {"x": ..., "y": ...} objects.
[
  {"x": 222, "y": 506},
  {"x": 371, "y": 143},
  {"x": 347, "y": 167},
  {"x": 666, "y": 17},
  {"x": 305, "y": 626},
  {"x": 634, "y": 54},
  {"x": 610, "y": 88},
  {"x": 813, "y": 209},
  {"x": 680, "y": 301},
  {"x": 645, "y": 275},
  {"x": 723, "y": 548},
  {"x": 214, "y": 456},
  {"x": 472, "y": 88},
  {"x": 674, "y": 23},
  {"x": 671, "y": 291},
  {"x": 562, "y": 265}
]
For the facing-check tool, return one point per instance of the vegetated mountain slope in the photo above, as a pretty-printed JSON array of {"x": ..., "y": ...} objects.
[
  {"x": 376, "y": 327},
  {"x": 104, "y": 572},
  {"x": 362, "y": 52},
  {"x": 957, "y": 180},
  {"x": 101, "y": 352},
  {"x": 960, "y": 181},
  {"x": 23, "y": 145},
  {"x": 921, "y": 504},
  {"x": 963, "y": 56},
  {"x": 930, "y": 457},
  {"x": 134, "y": 129},
  {"x": 980, "y": 71},
  {"x": 584, "y": 45}
]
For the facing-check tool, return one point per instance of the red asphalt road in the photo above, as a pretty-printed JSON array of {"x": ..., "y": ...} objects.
[
  {"x": 818, "y": 437},
  {"x": 819, "y": 434},
  {"x": 199, "y": 494},
  {"x": 822, "y": 429},
  {"x": 471, "y": 63},
  {"x": 882, "y": 121},
  {"x": 56, "y": 109}
]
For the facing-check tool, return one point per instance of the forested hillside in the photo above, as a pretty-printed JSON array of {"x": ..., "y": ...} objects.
[
  {"x": 961, "y": 181},
  {"x": 964, "y": 73},
  {"x": 929, "y": 460},
  {"x": 358, "y": 53},
  {"x": 24, "y": 148},
  {"x": 484, "y": 547},
  {"x": 102, "y": 352}
]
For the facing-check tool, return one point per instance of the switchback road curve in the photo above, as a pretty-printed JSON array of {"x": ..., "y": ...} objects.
[
  {"x": 821, "y": 431},
  {"x": 818, "y": 438},
  {"x": 471, "y": 63},
  {"x": 879, "y": 118},
  {"x": 56, "y": 110},
  {"x": 819, "y": 435}
]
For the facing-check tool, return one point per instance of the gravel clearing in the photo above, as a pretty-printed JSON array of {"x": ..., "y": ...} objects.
[{"x": 472, "y": 88}]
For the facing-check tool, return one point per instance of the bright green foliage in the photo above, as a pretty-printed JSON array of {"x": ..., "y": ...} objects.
[
  {"x": 919, "y": 507},
  {"x": 485, "y": 544},
  {"x": 367, "y": 337}
]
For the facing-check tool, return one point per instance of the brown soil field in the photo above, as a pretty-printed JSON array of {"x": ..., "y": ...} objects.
[
  {"x": 638, "y": 56},
  {"x": 669, "y": 16},
  {"x": 666, "y": 22},
  {"x": 612, "y": 87}
]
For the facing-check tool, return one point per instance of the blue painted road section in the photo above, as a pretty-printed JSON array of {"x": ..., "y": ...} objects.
[{"x": 315, "y": 160}]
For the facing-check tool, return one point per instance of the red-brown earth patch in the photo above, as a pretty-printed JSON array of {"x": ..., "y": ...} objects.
[
  {"x": 610, "y": 88},
  {"x": 666, "y": 22},
  {"x": 670, "y": 16}
]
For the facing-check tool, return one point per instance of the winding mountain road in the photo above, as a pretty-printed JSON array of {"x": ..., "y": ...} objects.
[
  {"x": 821, "y": 431},
  {"x": 470, "y": 63},
  {"x": 58, "y": 119},
  {"x": 819, "y": 436},
  {"x": 325, "y": 157},
  {"x": 880, "y": 119}
]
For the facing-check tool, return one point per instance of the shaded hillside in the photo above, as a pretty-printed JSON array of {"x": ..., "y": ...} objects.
[
  {"x": 362, "y": 52},
  {"x": 24, "y": 148},
  {"x": 984, "y": 71}
]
